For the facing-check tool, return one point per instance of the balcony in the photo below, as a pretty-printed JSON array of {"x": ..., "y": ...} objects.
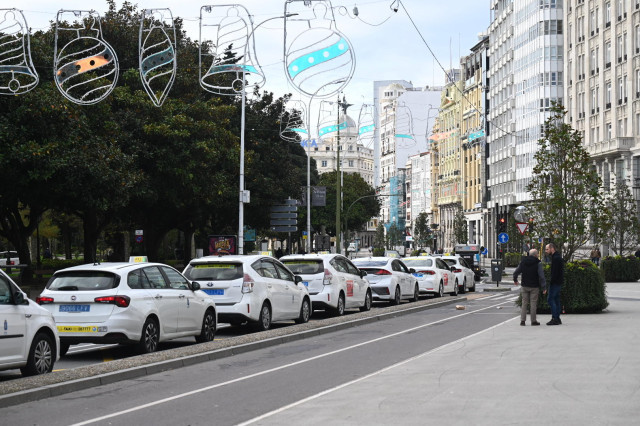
[{"x": 611, "y": 147}]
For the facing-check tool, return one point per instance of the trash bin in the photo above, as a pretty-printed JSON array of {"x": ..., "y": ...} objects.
[{"x": 496, "y": 270}]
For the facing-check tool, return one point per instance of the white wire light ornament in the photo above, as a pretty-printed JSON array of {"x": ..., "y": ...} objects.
[
  {"x": 227, "y": 50},
  {"x": 366, "y": 126},
  {"x": 293, "y": 122},
  {"x": 86, "y": 67},
  {"x": 319, "y": 60},
  {"x": 17, "y": 73},
  {"x": 157, "y": 53},
  {"x": 404, "y": 135}
]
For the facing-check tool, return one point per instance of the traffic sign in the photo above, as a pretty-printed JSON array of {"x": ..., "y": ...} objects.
[
  {"x": 503, "y": 237},
  {"x": 283, "y": 222},
  {"x": 522, "y": 227},
  {"x": 284, "y": 208},
  {"x": 485, "y": 251},
  {"x": 284, "y": 228},
  {"x": 283, "y": 215}
]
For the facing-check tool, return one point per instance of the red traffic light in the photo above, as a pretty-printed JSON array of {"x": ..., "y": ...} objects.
[{"x": 502, "y": 220}]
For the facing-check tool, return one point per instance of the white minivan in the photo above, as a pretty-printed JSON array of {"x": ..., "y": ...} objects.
[{"x": 28, "y": 335}]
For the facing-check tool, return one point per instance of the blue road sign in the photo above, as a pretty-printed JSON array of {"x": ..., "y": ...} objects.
[
  {"x": 485, "y": 252},
  {"x": 503, "y": 237}
]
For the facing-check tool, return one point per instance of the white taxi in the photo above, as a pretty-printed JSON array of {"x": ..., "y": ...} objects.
[
  {"x": 389, "y": 279},
  {"x": 256, "y": 289},
  {"x": 464, "y": 273},
  {"x": 434, "y": 275},
  {"x": 28, "y": 337},
  {"x": 333, "y": 282},
  {"x": 138, "y": 303}
]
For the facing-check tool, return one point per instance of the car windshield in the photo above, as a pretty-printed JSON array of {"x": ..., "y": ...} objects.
[
  {"x": 305, "y": 266},
  {"x": 369, "y": 263},
  {"x": 418, "y": 262},
  {"x": 83, "y": 281},
  {"x": 214, "y": 271}
]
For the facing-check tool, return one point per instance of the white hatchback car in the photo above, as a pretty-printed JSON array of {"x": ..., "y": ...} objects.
[
  {"x": 29, "y": 339},
  {"x": 257, "y": 289},
  {"x": 464, "y": 273},
  {"x": 332, "y": 280},
  {"x": 8, "y": 258},
  {"x": 141, "y": 303},
  {"x": 434, "y": 275},
  {"x": 389, "y": 279}
]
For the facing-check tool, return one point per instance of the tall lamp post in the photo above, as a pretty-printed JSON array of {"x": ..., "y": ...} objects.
[
  {"x": 341, "y": 105},
  {"x": 244, "y": 196}
]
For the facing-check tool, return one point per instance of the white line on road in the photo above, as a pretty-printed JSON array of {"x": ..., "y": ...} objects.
[{"x": 282, "y": 367}]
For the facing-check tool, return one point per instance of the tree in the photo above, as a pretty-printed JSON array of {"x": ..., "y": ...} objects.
[
  {"x": 422, "y": 234},
  {"x": 460, "y": 229},
  {"x": 564, "y": 188},
  {"x": 394, "y": 236},
  {"x": 378, "y": 239},
  {"x": 620, "y": 225}
]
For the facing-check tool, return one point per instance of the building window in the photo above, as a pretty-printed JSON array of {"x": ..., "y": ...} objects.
[
  {"x": 607, "y": 98},
  {"x": 608, "y": 125},
  {"x": 324, "y": 163},
  {"x": 350, "y": 163},
  {"x": 607, "y": 13},
  {"x": 607, "y": 54}
]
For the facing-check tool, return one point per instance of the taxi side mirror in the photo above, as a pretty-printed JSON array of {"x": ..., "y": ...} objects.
[
  {"x": 18, "y": 298},
  {"x": 298, "y": 279},
  {"x": 362, "y": 274},
  {"x": 412, "y": 270},
  {"x": 195, "y": 286}
]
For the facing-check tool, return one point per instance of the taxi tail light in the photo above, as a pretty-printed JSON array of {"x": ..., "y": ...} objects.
[
  {"x": 327, "y": 277},
  {"x": 427, "y": 272},
  {"x": 44, "y": 300},
  {"x": 247, "y": 284},
  {"x": 10, "y": 262},
  {"x": 120, "y": 301},
  {"x": 456, "y": 270},
  {"x": 383, "y": 272}
]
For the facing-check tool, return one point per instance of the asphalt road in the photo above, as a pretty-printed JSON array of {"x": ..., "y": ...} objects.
[{"x": 246, "y": 386}]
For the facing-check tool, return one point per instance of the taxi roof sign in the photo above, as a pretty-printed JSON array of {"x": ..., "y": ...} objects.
[{"x": 138, "y": 259}]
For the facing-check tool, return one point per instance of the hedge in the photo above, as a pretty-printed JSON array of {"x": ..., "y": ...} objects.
[
  {"x": 583, "y": 291},
  {"x": 57, "y": 264},
  {"x": 621, "y": 268},
  {"x": 512, "y": 259},
  {"x": 378, "y": 252}
]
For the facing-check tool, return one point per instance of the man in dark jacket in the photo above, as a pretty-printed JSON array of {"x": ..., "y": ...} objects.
[
  {"x": 557, "y": 278},
  {"x": 532, "y": 280}
]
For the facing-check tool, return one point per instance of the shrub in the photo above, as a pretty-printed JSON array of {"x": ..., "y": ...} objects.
[
  {"x": 56, "y": 264},
  {"x": 512, "y": 259},
  {"x": 583, "y": 291},
  {"x": 621, "y": 268},
  {"x": 378, "y": 252}
]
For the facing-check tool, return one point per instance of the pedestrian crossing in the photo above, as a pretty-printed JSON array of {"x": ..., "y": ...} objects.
[{"x": 504, "y": 297}]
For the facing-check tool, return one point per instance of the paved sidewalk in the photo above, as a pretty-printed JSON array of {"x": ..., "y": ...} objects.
[{"x": 584, "y": 372}]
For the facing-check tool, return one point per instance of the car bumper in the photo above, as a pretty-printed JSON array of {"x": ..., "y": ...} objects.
[
  {"x": 382, "y": 291},
  {"x": 428, "y": 286},
  {"x": 115, "y": 330},
  {"x": 327, "y": 298},
  {"x": 248, "y": 309}
]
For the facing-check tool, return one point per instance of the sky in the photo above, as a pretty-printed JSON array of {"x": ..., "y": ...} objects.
[{"x": 385, "y": 43}]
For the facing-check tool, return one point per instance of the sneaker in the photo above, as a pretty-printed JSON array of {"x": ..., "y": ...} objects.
[
  {"x": 522, "y": 323},
  {"x": 553, "y": 322},
  {"x": 559, "y": 321},
  {"x": 535, "y": 323}
]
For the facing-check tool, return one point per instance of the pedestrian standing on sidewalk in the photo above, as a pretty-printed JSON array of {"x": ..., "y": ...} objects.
[
  {"x": 555, "y": 285},
  {"x": 595, "y": 256},
  {"x": 532, "y": 281}
]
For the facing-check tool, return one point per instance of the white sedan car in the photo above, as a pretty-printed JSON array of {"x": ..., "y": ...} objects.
[
  {"x": 434, "y": 275},
  {"x": 464, "y": 273},
  {"x": 332, "y": 280},
  {"x": 29, "y": 339},
  {"x": 257, "y": 289},
  {"x": 141, "y": 303},
  {"x": 389, "y": 278}
]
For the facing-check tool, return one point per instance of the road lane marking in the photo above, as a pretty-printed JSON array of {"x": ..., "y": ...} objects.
[
  {"x": 282, "y": 367},
  {"x": 344, "y": 385}
]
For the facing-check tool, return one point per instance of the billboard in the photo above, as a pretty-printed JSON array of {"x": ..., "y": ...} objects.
[{"x": 223, "y": 244}]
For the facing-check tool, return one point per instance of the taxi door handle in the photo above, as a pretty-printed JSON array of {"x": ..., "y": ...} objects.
[
  {"x": 158, "y": 296},
  {"x": 27, "y": 315},
  {"x": 182, "y": 296}
]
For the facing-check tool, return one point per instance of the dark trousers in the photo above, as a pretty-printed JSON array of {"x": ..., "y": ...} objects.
[{"x": 553, "y": 298}]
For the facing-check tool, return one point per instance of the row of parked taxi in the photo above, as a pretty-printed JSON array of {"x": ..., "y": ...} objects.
[{"x": 142, "y": 304}]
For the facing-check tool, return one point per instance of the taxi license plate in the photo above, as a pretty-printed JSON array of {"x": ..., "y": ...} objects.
[
  {"x": 214, "y": 291},
  {"x": 77, "y": 329},
  {"x": 75, "y": 308}
]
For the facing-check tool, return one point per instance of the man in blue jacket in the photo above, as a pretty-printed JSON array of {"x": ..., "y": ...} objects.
[
  {"x": 532, "y": 280},
  {"x": 555, "y": 284}
]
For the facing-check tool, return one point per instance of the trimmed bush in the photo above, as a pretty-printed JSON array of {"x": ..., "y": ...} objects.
[
  {"x": 56, "y": 264},
  {"x": 621, "y": 268},
  {"x": 378, "y": 252},
  {"x": 583, "y": 291},
  {"x": 512, "y": 259}
]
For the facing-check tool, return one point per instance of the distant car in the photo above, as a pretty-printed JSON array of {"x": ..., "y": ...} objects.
[
  {"x": 332, "y": 280},
  {"x": 464, "y": 273},
  {"x": 389, "y": 279},
  {"x": 8, "y": 258},
  {"x": 434, "y": 275},
  {"x": 255, "y": 289},
  {"x": 135, "y": 303},
  {"x": 30, "y": 339}
]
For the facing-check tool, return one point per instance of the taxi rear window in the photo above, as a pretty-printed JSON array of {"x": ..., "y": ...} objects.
[
  {"x": 305, "y": 266},
  {"x": 418, "y": 262},
  {"x": 369, "y": 263},
  {"x": 83, "y": 281},
  {"x": 214, "y": 271}
]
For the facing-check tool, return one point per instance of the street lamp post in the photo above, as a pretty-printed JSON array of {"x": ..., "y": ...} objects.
[
  {"x": 344, "y": 105},
  {"x": 346, "y": 217}
]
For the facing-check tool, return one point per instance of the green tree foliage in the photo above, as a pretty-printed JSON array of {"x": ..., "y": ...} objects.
[
  {"x": 620, "y": 226},
  {"x": 422, "y": 234},
  {"x": 460, "y": 228},
  {"x": 394, "y": 236},
  {"x": 564, "y": 188},
  {"x": 379, "y": 239},
  {"x": 621, "y": 268}
]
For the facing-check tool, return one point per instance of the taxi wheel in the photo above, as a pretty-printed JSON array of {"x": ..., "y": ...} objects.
[
  {"x": 396, "y": 297},
  {"x": 416, "y": 293},
  {"x": 367, "y": 302},
  {"x": 305, "y": 312},
  {"x": 41, "y": 356},
  {"x": 440, "y": 292},
  {"x": 64, "y": 348},
  {"x": 339, "y": 311},
  {"x": 473, "y": 287},
  {"x": 150, "y": 336},
  {"x": 264, "y": 321},
  {"x": 208, "y": 332},
  {"x": 455, "y": 289},
  {"x": 463, "y": 289}
]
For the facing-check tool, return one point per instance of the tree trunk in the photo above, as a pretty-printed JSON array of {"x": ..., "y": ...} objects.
[{"x": 91, "y": 233}]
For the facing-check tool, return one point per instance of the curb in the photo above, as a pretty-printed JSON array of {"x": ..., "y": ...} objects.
[{"x": 62, "y": 388}]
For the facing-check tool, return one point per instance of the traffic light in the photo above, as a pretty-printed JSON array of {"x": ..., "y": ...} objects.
[{"x": 502, "y": 226}]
